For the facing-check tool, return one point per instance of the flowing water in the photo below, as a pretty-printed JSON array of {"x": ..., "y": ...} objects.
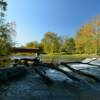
[{"x": 33, "y": 87}]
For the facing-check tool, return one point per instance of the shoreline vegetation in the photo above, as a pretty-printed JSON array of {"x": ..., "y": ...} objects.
[
  {"x": 59, "y": 57},
  {"x": 54, "y": 57}
]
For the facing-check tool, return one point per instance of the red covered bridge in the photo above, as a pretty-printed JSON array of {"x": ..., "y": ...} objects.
[{"x": 26, "y": 50}]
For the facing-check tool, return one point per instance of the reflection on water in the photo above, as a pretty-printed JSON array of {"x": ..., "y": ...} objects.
[{"x": 21, "y": 57}]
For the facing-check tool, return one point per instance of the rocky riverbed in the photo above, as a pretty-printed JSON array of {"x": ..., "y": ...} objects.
[{"x": 33, "y": 87}]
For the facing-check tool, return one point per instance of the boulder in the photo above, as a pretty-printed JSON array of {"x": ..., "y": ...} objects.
[{"x": 7, "y": 74}]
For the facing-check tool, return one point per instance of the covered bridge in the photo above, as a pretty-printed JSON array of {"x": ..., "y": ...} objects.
[{"x": 26, "y": 50}]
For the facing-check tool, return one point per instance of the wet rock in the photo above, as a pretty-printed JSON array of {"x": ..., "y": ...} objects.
[{"x": 7, "y": 74}]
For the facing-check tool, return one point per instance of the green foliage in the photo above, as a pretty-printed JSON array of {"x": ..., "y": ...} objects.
[
  {"x": 3, "y": 6},
  {"x": 86, "y": 41},
  {"x": 88, "y": 37},
  {"x": 50, "y": 42},
  {"x": 32, "y": 44},
  {"x": 6, "y": 31},
  {"x": 56, "y": 58},
  {"x": 69, "y": 45}
]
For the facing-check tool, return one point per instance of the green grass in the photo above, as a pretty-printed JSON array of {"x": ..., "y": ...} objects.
[{"x": 59, "y": 57}]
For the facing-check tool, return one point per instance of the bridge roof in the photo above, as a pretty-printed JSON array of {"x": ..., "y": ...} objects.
[{"x": 26, "y": 50}]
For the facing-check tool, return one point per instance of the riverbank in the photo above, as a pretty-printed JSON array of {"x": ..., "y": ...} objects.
[
  {"x": 32, "y": 87},
  {"x": 59, "y": 57}
]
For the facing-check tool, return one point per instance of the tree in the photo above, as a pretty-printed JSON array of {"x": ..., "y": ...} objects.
[
  {"x": 84, "y": 38},
  {"x": 6, "y": 43},
  {"x": 96, "y": 29},
  {"x": 32, "y": 45},
  {"x": 6, "y": 31},
  {"x": 69, "y": 45},
  {"x": 50, "y": 42},
  {"x": 3, "y": 6},
  {"x": 88, "y": 37}
]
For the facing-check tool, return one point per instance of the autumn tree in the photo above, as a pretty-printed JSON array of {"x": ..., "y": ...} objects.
[
  {"x": 50, "y": 42},
  {"x": 32, "y": 44},
  {"x": 88, "y": 37},
  {"x": 84, "y": 38},
  {"x": 96, "y": 29}
]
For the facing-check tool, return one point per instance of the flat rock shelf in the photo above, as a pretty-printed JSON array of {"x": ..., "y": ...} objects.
[{"x": 29, "y": 85}]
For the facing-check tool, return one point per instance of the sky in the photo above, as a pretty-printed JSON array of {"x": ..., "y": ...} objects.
[{"x": 36, "y": 17}]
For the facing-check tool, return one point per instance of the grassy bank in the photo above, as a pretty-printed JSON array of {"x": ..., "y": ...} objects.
[{"x": 59, "y": 57}]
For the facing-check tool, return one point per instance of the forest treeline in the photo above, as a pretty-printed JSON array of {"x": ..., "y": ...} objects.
[{"x": 86, "y": 40}]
